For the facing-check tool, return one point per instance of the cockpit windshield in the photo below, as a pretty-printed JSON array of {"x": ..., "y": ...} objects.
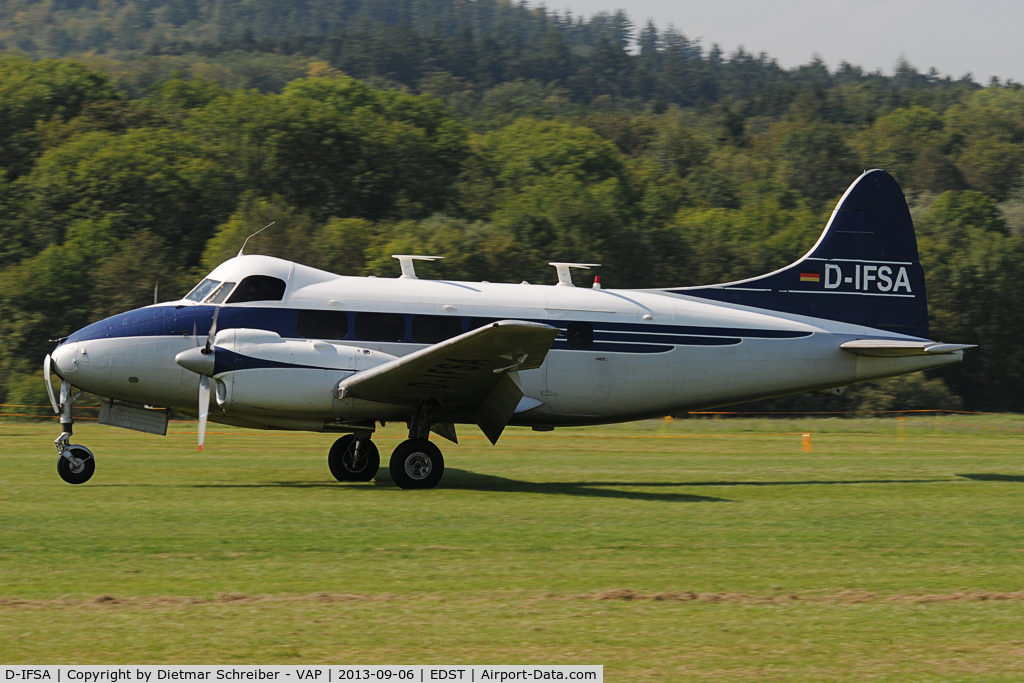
[{"x": 202, "y": 290}]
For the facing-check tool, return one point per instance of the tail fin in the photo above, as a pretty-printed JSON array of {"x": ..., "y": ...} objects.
[{"x": 864, "y": 269}]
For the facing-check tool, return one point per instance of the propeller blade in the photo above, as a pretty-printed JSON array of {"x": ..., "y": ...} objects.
[
  {"x": 213, "y": 332},
  {"x": 47, "y": 362},
  {"x": 204, "y": 407}
]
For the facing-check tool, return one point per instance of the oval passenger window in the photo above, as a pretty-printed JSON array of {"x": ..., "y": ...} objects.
[{"x": 258, "y": 288}]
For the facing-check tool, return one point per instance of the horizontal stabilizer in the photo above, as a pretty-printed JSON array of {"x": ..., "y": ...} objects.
[{"x": 888, "y": 348}]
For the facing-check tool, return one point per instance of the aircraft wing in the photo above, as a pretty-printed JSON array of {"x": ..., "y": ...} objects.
[
  {"x": 473, "y": 373},
  {"x": 888, "y": 348}
]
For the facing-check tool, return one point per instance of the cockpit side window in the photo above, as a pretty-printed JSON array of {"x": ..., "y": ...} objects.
[
  {"x": 221, "y": 293},
  {"x": 202, "y": 290},
  {"x": 258, "y": 288}
]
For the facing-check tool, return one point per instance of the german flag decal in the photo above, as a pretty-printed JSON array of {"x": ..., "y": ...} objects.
[{"x": 809, "y": 277}]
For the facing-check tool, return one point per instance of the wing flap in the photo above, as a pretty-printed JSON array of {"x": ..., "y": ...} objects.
[
  {"x": 889, "y": 348},
  {"x": 494, "y": 413}
]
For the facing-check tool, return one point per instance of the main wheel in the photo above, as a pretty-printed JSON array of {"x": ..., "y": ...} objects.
[
  {"x": 417, "y": 464},
  {"x": 76, "y": 473},
  {"x": 343, "y": 463}
]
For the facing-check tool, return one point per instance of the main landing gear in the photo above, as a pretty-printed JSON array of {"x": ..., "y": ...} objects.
[
  {"x": 354, "y": 458},
  {"x": 415, "y": 464},
  {"x": 76, "y": 463}
]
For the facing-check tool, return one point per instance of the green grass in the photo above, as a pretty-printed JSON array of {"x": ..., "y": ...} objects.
[{"x": 701, "y": 549}]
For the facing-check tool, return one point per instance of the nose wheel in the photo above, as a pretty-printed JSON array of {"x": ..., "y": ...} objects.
[
  {"x": 353, "y": 459},
  {"x": 76, "y": 464},
  {"x": 417, "y": 464}
]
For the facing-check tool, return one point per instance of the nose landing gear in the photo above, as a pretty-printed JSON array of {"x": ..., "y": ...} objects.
[{"x": 76, "y": 463}]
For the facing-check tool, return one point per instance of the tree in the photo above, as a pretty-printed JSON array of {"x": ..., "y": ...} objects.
[
  {"x": 975, "y": 285},
  {"x": 896, "y": 142},
  {"x": 988, "y": 132},
  {"x": 146, "y": 179},
  {"x": 817, "y": 162},
  {"x": 34, "y": 92},
  {"x": 334, "y": 146}
]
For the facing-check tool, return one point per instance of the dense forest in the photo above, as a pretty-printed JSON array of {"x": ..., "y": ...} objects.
[{"x": 141, "y": 141}]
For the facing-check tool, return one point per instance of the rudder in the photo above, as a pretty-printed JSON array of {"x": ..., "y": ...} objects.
[{"x": 864, "y": 269}]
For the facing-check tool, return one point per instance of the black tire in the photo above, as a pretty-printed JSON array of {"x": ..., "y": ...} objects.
[
  {"x": 417, "y": 464},
  {"x": 341, "y": 460},
  {"x": 84, "y": 471}
]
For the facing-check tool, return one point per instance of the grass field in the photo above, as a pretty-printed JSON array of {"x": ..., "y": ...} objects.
[{"x": 697, "y": 550}]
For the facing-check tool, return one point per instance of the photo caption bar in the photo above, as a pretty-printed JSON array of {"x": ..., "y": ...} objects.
[{"x": 312, "y": 673}]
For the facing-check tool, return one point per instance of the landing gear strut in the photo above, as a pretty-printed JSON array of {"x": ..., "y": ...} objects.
[
  {"x": 417, "y": 463},
  {"x": 354, "y": 457},
  {"x": 76, "y": 463}
]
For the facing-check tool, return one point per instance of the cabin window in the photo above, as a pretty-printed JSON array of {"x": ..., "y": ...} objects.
[
  {"x": 431, "y": 329},
  {"x": 386, "y": 327},
  {"x": 221, "y": 293},
  {"x": 323, "y": 324},
  {"x": 202, "y": 290},
  {"x": 258, "y": 288},
  {"x": 475, "y": 323},
  {"x": 580, "y": 335}
]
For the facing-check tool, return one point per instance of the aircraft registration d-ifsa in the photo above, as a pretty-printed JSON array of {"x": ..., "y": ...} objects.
[{"x": 270, "y": 344}]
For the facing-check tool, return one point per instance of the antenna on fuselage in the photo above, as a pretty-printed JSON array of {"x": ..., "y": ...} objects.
[
  {"x": 564, "y": 274},
  {"x": 408, "y": 269},
  {"x": 240, "y": 251},
  {"x": 156, "y": 293}
]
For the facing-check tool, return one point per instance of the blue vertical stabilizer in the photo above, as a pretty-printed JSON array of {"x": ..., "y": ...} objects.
[{"x": 864, "y": 268}]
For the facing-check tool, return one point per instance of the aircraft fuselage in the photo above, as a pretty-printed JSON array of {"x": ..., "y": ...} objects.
[{"x": 621, "y": 354}]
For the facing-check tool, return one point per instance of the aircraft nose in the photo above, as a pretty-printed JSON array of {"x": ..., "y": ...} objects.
[{"x": 66, "y": 359}]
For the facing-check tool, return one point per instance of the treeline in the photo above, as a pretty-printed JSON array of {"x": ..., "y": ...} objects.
[
  {"x": 472, "y": 44},
  {"x": 105, "y": 194}
]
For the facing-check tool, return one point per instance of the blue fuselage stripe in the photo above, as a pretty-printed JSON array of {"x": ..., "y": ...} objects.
[{"x": 613, "y": 337}]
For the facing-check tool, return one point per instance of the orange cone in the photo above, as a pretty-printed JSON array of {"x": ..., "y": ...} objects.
[
  {"x": 806, "y": 442},
  {"x": 664, "y": 424}
]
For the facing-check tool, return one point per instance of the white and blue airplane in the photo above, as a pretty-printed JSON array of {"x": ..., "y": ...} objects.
[{"x": 270, "y": 344}]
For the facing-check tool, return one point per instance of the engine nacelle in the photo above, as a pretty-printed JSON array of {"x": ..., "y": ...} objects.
[{"x": 259, "y": 371}]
